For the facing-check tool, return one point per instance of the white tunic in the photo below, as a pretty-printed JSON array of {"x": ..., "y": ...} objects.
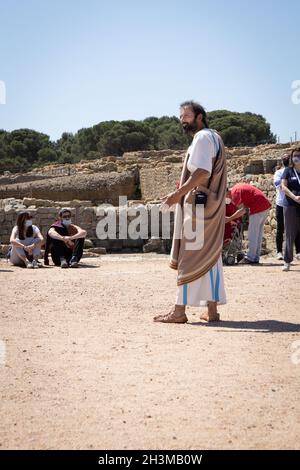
[{"x": 209, "y": 287}]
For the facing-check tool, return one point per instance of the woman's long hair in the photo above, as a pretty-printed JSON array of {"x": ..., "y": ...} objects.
[
  {"x": 22, "y": 231},
  {"x": 297, "y": 149}
]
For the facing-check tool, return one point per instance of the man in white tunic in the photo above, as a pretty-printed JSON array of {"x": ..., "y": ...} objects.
[{"x": 200, "y": 272}]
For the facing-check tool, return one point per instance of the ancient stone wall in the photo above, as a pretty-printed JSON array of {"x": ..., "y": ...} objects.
[
  {"x": 88, "y": 216},
  {"x": 138, "y": 175},
  {"x": 97, "y": 187}
]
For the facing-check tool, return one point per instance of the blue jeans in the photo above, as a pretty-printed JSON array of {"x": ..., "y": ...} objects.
[{"x": 255, "y": 235}]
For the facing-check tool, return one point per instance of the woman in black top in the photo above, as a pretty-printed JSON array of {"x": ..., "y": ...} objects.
[{"x": 290, "y": 184}]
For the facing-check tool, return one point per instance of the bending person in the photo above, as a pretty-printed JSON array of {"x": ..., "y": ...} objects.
[{"x": 244, "y": 196}]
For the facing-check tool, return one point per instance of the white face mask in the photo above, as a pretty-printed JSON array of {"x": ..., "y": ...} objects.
[
  {"x": 67, "y": 222},
  {"x": 28, "y": 223},
  {"x": 228, "y": 200},
  {"x": 296, "y": 160}
]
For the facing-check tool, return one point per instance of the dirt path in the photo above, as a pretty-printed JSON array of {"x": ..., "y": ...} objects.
[{"x": 86, "y": 367}]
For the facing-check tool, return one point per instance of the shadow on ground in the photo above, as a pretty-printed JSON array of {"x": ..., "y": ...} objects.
[{"x": 261, "y": 326}]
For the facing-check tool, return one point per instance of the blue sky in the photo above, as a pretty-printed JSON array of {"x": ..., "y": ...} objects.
[{"x": 71, "y": 64}]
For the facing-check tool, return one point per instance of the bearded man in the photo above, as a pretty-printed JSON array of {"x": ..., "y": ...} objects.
[{"x": 202, "y": 186}]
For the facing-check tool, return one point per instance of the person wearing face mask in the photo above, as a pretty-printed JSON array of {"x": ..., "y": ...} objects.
[
  {"x": 65, "y": 241},
  {"x": 26, "y": 240},
  {"x": 290, "y": 185},
  {"x": 280, "y": 197}
]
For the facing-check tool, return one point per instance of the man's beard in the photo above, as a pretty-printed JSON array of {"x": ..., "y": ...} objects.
[{"x": 190, "y": 127}]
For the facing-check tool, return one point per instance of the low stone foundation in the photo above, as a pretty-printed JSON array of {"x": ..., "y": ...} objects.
[{"x": 88, "y": 217}]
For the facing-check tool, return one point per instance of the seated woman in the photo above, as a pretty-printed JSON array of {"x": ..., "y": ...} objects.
[
  {"x": 26, "y": 240},
  {"x": 64, "y": 241}
]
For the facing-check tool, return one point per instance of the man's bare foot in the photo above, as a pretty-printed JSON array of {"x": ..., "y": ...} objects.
[
  {"x": 211, "y": 314},
  {"x": 176, "y": 315},
  {"x": 210, "y": 317}
]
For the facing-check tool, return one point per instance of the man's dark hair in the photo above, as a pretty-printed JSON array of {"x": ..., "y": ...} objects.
[
  {"x": 197, "y": 109},
  {"x": 63, "y": 210}
]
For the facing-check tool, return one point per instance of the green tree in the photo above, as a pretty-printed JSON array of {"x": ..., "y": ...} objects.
[{"x": 24, "y": 148}]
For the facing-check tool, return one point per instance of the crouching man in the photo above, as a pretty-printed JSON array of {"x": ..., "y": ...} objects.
[{"x": 64, "y": 241}]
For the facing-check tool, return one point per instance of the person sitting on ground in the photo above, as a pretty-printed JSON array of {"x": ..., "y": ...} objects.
[
  {"x": 64, "y": 241},
  {"x": 26, "y": 240},
  {"x": 244, "y": 196}
]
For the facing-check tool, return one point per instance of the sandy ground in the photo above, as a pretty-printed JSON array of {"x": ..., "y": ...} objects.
[{"x": 86, "y": 367}]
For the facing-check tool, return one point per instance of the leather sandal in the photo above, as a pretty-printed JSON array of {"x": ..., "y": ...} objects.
[{"x": 174, "y": 316}]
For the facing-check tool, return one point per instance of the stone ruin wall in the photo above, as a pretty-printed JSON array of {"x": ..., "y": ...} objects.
[{"x": 144, "y": 176}]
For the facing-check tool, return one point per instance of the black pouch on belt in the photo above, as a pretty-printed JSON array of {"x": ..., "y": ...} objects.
[{"x": 201, "y": 198}]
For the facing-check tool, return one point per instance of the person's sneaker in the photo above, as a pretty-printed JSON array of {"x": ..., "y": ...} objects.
[
  {"x": 279, "y": 255},
  {"x": 73, "y": 263},
  {"x": 245, "y": 260},
  {"x": 298, "y": 256},
  {"x": 239, "y": 257},
  {"x": 63, "y": 263},
  {"x": 286, "y": 267},
  {"x": 29, "y": 265},
  {"x": 35, "y": 264}
]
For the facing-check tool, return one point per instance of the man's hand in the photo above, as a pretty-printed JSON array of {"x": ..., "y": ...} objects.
[
  {"x": 68, "y": 242},
  {"x": 172, "y": 198}
]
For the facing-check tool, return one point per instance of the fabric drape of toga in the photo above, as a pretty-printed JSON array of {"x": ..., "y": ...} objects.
[{"x": 192, "y": 264}]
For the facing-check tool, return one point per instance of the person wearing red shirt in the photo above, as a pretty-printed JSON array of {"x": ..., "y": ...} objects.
[
  {"x": 244, "y": 196},
  {"x": 229, "y": 227}
]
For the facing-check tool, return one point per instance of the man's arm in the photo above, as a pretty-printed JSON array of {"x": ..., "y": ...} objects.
[
  {"x": 54, "y": 234},
  {"x": 199, "y": 177},
  {"x": 239, "y": 213},
  {"x": 80, "y": 233}
]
